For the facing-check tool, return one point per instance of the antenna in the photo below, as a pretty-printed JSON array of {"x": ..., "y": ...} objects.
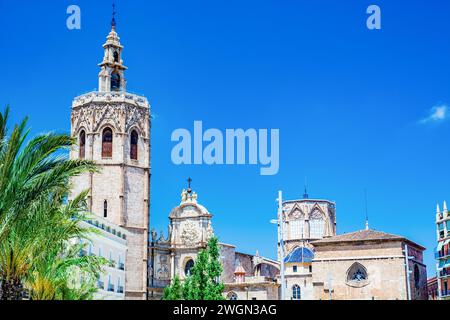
[{"x": 367, "y": 214}]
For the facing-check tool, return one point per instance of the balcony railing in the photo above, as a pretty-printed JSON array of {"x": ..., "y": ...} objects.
[
  {"x": 440, "y": 255},
  {"x": 444, "y": 273}
]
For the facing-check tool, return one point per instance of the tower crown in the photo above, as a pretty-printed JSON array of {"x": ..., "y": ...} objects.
[{"x": 111, "y": 76}]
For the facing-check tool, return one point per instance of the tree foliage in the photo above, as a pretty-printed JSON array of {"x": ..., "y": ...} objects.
[
  {"x": 204, "y": 281},
  {"x": 39, "y": 229}
]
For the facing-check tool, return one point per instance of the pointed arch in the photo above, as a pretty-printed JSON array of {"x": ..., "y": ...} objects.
[
  {"x": 134, "y": 139},
  {"x": 296, "y": 292},
  {"x": 115, "y": 81},
  {"x": 232, "y": 296},
  {"x": 82, "y": 144},
  {"x": 357, "y": 275},
  {"x": 317, "y": 220},
  {"x": 107, "y": 143}
]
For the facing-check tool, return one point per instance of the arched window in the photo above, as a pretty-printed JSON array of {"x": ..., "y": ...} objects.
[
  {"x": 316, "y": 225},
  {"x": 134, "y": 145},
  {"x": 107, "y": 141},
  {"x": 105, "y": 209},
  {"x": 357, "y": 274},
  {"x": 416, "y": 276},
  {"x": 297, "y": 229},
  {"x": 116, "y": 56},
  {"x": 82, "y": 143},
  {"x": 115, "y": 82},
  {"x": 232, "y": 296},
  {"x": 296, "y": 292},
  {"x": 188, "y": 267}
]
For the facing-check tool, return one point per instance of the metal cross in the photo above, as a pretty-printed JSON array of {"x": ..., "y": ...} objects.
[{"x": 189, "y": 182}]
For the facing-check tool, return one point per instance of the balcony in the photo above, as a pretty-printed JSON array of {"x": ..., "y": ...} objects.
[
  {"x": 444, "y": 273},
  {"x": 445, "y": 293},
  {"x": 440, "y": 255}
]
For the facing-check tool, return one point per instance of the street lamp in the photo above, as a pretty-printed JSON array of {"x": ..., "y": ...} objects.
[{"x": 280, "y": 223}]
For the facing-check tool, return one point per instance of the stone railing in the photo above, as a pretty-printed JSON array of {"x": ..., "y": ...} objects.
[
  {"x": 258, "y": 279},
  {"x": 115, "y": 96}
]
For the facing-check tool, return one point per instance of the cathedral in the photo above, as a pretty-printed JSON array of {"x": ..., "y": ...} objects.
[{"x": 112, "y": 128}]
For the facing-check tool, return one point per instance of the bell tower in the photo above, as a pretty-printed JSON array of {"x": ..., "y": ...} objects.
[
  {"x": 112, "y": 128},
  {"x": 111, "y": 76}
]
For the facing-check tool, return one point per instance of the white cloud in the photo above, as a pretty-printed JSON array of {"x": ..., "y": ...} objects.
[{"x": 438, "y": 113}]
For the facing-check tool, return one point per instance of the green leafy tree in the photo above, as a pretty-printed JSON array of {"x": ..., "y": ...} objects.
[
  {"x": 174, "y": 291},
  {"x": 204, "y": 281}
]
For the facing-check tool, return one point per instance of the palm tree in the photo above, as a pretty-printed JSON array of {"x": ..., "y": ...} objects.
[{"x": 36, "y": 226}]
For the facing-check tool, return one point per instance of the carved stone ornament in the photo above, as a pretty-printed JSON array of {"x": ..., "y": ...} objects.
[
  {"x": 209, "y": 231},
  {"x": 190, "y": 234}
]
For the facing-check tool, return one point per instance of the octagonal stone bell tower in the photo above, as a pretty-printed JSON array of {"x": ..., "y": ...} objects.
[{"x": 112, "y": 127}]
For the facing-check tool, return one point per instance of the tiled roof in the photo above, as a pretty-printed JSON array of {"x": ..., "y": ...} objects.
[
  {"x": 362, "y": 235},
  {"x": 301, "y": 254}
]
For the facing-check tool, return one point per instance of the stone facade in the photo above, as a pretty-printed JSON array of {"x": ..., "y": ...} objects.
[
  {"x": 113, "y": 129},
  {"x": 190, "y": 228},
  {"x": 367, "y": 265},
  {"x": 305, "y": 220}
]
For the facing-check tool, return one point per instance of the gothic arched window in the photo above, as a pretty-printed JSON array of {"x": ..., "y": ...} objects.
[
  {"x": 296, "y": 292},
  {"x": 416, "y": 276},
  {"x": 115, "y": 82},
  {"x": 232, "y": 296},
  {"x": 134, "y": 145},
  {"x": 107, "y": 140},
  {"x": 316, "y": 225},
  {"x": 82, "y": 143},
  {"x": 297, "y": 229},
  {"x": 188, "y": 267},
  {"x": 105, "y": 209},
  {"x": 357, "y": 274}
]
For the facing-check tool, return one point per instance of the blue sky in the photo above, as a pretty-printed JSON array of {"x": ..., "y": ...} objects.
[{"x": 350, "y": 103}]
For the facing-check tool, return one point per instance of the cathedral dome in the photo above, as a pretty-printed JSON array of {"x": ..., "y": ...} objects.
[{"x": 299, "y": 255}]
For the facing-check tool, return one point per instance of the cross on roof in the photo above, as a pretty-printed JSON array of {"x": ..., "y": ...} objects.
[{"x": 189, "y": 185}]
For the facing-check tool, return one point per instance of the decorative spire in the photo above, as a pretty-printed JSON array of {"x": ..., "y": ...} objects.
[
  {"x": 445, "y": 207},
  {"x": 305, "y": 195},
  {"x": 438, "y": 210},
  {"x": 113, "y": 20}
]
